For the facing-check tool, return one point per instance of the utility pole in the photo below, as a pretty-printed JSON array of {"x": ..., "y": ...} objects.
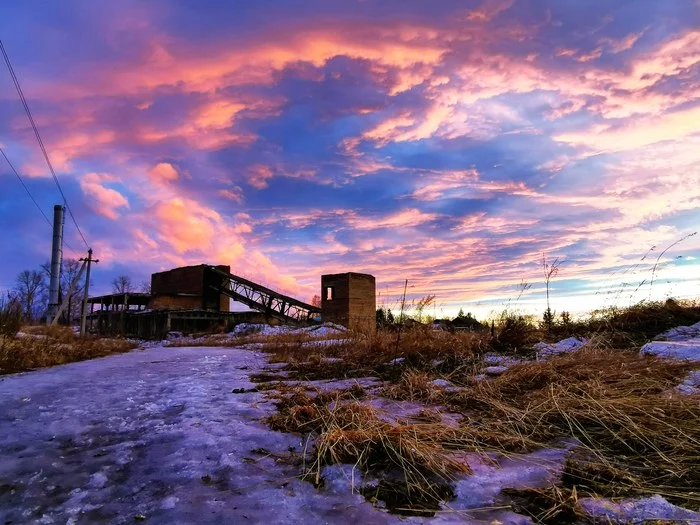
[
  {"x": 56, "y": 260},
  {"x": 83, "y": 315}
]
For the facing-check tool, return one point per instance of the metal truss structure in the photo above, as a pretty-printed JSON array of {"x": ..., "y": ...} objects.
[{"x": 264, "y": 300}]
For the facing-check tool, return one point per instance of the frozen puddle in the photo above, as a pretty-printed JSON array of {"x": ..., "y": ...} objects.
[{"x": 154, "y": 435}]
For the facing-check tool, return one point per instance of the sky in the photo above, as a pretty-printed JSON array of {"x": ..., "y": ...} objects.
[{"x": 453, "y": 144}]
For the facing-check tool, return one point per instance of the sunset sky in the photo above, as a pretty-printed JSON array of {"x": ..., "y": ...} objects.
[{"x": 450, "y": 143}]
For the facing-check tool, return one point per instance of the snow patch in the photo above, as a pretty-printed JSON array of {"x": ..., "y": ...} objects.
[
  {"x": 570, "y": 344},
  {"x": 492, "y": 359},
  {"x": 637, "y": 511},
  {"x": 495, "y": 370},
  {"x": 691, "y": 384},
  {"x": 686, "y": 350},
  {"x": 98, "y": 480},
  {"x": 680, "y": 333},
  {"x": 482, "y": 489}
]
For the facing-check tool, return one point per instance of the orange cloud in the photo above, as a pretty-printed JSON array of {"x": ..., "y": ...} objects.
[
  {"x": 408, "y": 218},
  {"x": 163, "y": 172},
  {"x": 637, "y": 133},
  {"x": 186, "y": 225},
  {"x": 259, "y": 175}
]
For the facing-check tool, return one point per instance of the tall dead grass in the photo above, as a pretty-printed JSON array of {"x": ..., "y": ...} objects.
[
  {"x": 42, "y": 346},
  {"x": 633, "y": 435},
  {"x": 412, "y": 461},
  {"x": 378, "y": 352},
  {"x": 636, "y": 436}
]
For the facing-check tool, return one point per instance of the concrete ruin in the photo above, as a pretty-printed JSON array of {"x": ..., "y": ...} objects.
[
  {"x": 349, "y": 299},
  {"x": 197, "y": 299}
]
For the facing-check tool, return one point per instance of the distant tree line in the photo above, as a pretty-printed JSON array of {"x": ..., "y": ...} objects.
[
  {"x": 30, "y": 293},
  {"x": 386, "y": 318}
]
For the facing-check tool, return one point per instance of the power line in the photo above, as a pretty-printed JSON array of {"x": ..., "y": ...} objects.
[
  {"x": 21, "y": 180},
  {"x": 25, "y": 187},
  {"x": 38, "y": 138}
]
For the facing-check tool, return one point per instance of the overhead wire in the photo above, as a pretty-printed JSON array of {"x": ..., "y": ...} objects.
[
  {"x": 18, "y": 87},
  {"x": 26, "y": 188}
]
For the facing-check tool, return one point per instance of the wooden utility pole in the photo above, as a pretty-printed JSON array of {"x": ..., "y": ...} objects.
[{"x": 83, "y": 313}]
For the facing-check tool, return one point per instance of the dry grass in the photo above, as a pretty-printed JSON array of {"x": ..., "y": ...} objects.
[
  {"x": 50, "y": 346},
  {"x": 413, "y": 385},
  {"x": 372, "y": 353},
  {"x": 547, "y": 505},
  {"x": 636, "y": 438},
  {"x": 413, "y": 460}
]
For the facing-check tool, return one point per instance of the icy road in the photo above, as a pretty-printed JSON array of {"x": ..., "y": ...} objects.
[
  {"x": 154, "y": 436},
  {"x": 161, "y": 436}
]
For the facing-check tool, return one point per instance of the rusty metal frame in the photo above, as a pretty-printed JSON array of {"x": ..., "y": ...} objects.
[{"x": 264, "y": 300}]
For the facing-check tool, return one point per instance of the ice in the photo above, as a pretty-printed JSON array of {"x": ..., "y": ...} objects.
[
  {"x": 159, "y": 434},
  {"x": 687, "y": 350},
  {"x": 547, "y": 350},
  {"x": 483, "y": 488},
  {"x": 638, "y": 510}
]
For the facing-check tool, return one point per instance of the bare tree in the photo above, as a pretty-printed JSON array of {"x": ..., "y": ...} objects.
[
  {"x": 316, "y": 301},
  {"x": 122, "y": 284},
  {"x": 145, "y": 286},
  {"x": 29, "y": 286},
  {"x": 71, "y": 268}
]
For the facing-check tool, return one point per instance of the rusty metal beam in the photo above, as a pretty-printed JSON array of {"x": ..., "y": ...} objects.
[{"x": 265, "y": 300}]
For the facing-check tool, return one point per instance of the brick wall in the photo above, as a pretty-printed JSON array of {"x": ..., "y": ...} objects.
[
  {"x": 188, "y": 287},
  {"x": 352, "y": 300}
]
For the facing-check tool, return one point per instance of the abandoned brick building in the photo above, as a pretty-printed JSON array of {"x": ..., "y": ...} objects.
[
  {"x": 197, "y": 299},
  {"x": 349, "y": 299}
]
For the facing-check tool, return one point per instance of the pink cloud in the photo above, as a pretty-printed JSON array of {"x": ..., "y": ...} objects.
[
  {"x": 234, "y": 194},
  {"x": 105, "y": 201},
  {"x": 163, "y": 172}
]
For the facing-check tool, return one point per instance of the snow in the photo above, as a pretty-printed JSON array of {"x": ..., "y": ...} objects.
[
  {"x": 495, "y": 370},
  {"x": 483, "y": 488},
  {"x": 323, "y": 330},
  {"x": 155, "y": 433},
  {"x": 681, "y": 333},
  {"x": 442, "y": 383},
  {"x": 547, "y": 350},
  {"x": 492, "y": 359},
  {"x": 691, "y": 384},
  {"x": 637, "y": 511},
  {"x": 688, "y": 350},
  {"x": 159, "y": 434},
  {"x": 682, "y": 343}
]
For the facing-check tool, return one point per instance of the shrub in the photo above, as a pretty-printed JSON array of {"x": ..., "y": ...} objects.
[{"x": 10, "y": 316}]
